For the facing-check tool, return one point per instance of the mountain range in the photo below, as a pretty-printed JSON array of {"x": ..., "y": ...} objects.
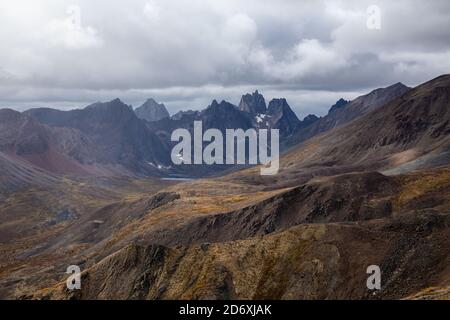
[
  {"x": 366, "y": 184},
  {"x": 112, "y": 138}
]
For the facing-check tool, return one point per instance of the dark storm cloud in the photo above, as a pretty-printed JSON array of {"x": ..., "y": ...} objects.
[{"x": 185, "y": 53}]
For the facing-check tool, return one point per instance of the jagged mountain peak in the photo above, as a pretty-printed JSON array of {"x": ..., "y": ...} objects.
[
  {"x": 152, "y": 111},
  {"x": 338, "y": 105},
  {"x": 214, "y": 103},
  {"x": 278, "y": 105},
  {"x": 219, "y": 106},
  {"x": 223, "y": 115},
  {"x": 253, "y": 103},
  {"x": 282, "y": 117}
]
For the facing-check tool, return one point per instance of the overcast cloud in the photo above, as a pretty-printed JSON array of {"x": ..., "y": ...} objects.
[{"x": 186, "y": 53}]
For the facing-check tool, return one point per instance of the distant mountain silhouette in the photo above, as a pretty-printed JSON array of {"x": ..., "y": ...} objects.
[
  {"x": 111, "y": 137},
  {"x": 344, "y": 111},
  {"x": 152, "y": 111},
  {"x": 120, "y": 137},
  {"x": 407, "y": 133}
]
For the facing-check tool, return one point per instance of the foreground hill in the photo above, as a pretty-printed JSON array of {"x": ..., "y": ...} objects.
[{"x": 266, "y": 250}]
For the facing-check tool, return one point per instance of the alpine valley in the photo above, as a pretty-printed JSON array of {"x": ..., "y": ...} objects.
[{"x": 366, "y": 184}]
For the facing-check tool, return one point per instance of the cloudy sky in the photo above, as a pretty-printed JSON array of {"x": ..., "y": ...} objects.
[{"x": 67, "y": 54}]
